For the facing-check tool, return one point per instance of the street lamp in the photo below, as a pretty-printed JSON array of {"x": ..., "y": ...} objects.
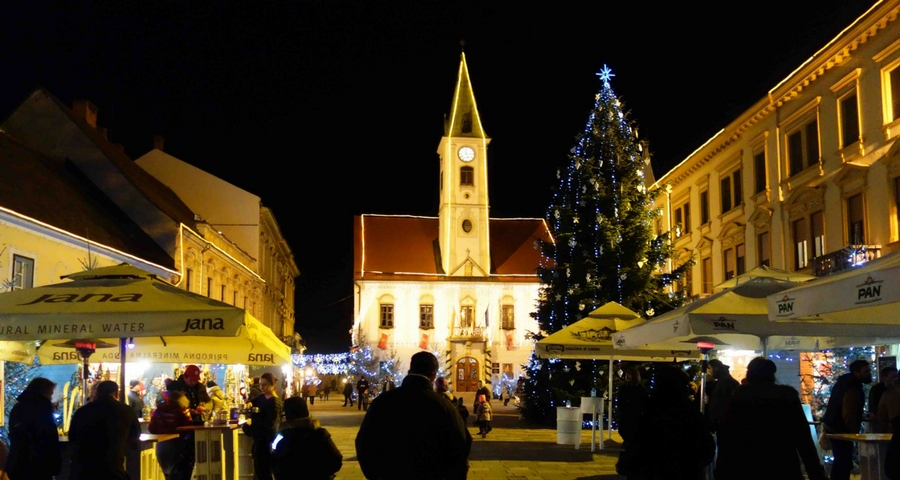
[{"x": 705, "y": 345}]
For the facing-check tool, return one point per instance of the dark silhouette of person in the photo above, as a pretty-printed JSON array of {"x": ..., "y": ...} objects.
[
  {"x": 725, "y": 385},
  {"x": 34, "y": 452},
  {"x": 415, "y": 420},
  {"x": 763, "y": 426},
  {"x": 844, "y": 414},
  {"x": 632, "y": 399},
  {"x": 101, "y": 432},
  {"x": 672, "y": 438}
]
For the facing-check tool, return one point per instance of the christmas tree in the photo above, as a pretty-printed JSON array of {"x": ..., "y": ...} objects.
[
  {"x": 375, "y": 365},
  {"x": 16, "y": 377},
  {"x": 601, "y": 216}
]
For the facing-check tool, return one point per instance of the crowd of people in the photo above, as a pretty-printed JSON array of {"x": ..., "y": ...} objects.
[
  {"x": 744, "y": 430},
  {"x": 749, "y": 427}
]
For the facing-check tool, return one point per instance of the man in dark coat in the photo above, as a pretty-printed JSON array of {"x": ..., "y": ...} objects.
[
  {"x": 725, "y": 385},
  {"x": 844, "y": 414},
  {"x": 415, "y": 420},
  {"x": 888, "y": 377},
  {"x": 189, "y": 384},
  {"x": 362, "y": 399},
  {"x": 748, "y": 449},
  {"x": 101, "y": 433},
  {"x": 34, "y": 444},
  {"x": 348, "y": 394},
  {"x": 672, "y": 440},
  {"x": 134, "y": 398}
]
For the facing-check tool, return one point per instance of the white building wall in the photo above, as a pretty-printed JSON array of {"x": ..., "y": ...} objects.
[{"x": 447, "y": 298}]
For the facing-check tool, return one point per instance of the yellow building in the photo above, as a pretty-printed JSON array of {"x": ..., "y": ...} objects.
[
  {"x": 461, "y": 284},
  {"x": 140, "y": 219},
  {"x": 808, "y": 178},
  {"x": 257, "y": 270}
]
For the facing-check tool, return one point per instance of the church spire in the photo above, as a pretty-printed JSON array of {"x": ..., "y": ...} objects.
[{"x": 464, "y": 119}]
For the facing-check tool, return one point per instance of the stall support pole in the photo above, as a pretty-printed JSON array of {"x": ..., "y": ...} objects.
[
  {"x": 122, "y": 346},
  {"x": 703, "y": 365},
  {"x": 609, "y": 394},
  {"x": 84, "y": 380}
]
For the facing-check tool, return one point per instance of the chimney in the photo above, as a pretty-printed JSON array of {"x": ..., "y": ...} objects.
[
  {"x": 85, "y": 110},
  {"x": 159, "y": 143}
]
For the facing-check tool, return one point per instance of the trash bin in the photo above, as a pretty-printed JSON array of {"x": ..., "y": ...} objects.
[{"x": 568, "y": 425}]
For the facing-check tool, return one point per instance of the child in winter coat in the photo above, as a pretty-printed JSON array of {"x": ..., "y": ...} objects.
[
  {"x": 483, "y": 413},
  {"x": 304, "y": 442}
]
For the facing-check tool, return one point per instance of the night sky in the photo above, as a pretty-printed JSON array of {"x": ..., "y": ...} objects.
[{"x": 330, "y": 109}]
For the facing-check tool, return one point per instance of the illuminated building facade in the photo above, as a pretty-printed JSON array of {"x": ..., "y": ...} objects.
[
  {"x": 808, "y": 178},
  {"x": 133, "y": 213},
  {"x": 237, "y": 223},
  {"x": 461, "y": 285}
]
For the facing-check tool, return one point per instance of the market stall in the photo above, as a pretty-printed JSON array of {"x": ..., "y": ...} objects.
[
  {"x": 591, "y": 339},
  {"x": 130, "y": 306},
  {"x": 739, "y": 318}
]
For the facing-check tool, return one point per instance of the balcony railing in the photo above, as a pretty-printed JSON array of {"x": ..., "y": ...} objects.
[
  {"x": 469, "y": 333},
  {"x": 845, "y": 259}
]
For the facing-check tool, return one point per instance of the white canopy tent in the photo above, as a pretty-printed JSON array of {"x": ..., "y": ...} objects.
[
  {"x": 591, "y": 338},
  {"x": 865, "y": 296},
  {"x": 763, "y": 271},
  {"x": 739, "y": 318}
]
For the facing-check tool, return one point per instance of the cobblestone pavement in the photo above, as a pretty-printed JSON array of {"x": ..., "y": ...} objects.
[{"x": 513, "y": 450}]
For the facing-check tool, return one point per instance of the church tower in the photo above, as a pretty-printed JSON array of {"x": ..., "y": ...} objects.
[{"x": 463, "y": 213}]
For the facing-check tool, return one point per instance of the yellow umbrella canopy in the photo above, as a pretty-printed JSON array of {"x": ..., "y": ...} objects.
[
  {"x": 21, "y": 352},
  {"x": 591, "y": 338},
  {"x": 120, "y": 301},
  {"x": 255, "y": 344}
]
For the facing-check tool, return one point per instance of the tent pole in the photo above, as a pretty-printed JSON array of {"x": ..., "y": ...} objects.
[
  {"x": 122, "y": 396},
  {"x": 84, "y": 380},
  {"x": 765, "y": 346},
  {"x": 703, "y": 365},
  {"x": 609, "y": 404}
]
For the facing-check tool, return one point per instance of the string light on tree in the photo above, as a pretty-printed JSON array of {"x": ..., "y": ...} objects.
[{"x": 603, "y": 215}]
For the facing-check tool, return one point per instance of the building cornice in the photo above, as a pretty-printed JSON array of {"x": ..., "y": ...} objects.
[
  {"x": 14, "y": 218},
  {"x": 834, "y": 54}
]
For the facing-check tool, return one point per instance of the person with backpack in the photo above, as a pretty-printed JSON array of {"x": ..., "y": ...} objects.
[{"x": 304, "y": 442}]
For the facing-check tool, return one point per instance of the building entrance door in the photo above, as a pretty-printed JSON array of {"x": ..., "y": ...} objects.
[{"x": 467, "y": 375}]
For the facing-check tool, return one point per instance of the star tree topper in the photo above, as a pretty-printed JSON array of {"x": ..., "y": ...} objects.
[{"x": 605, "y": 74}]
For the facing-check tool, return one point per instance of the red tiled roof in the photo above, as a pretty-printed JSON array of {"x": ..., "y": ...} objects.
[
  {"x": 513, "y": 249},
  {"x": 395, "y": 247}
]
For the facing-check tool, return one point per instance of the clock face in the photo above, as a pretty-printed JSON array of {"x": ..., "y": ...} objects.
[{"x": 466, "y": 154}]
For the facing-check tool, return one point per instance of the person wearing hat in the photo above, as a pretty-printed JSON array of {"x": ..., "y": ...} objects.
[
  {"x": 725, "y": 385},
  {"x": 198, "y": 398},
  {"x": 134, "y": 398},
  {"x": 304, "y": 442}
]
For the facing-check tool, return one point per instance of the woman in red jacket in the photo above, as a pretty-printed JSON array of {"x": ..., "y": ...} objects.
[{"x": 173, "y": 455}]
